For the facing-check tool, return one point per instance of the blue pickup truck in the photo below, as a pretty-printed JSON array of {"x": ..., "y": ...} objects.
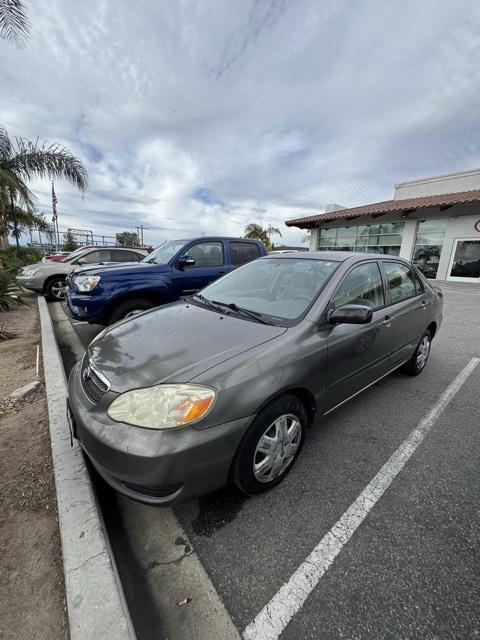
[{"x": 106, "y": 294}]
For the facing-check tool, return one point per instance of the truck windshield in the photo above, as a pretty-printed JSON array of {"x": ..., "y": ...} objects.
[{"x": 163, "y": 253}]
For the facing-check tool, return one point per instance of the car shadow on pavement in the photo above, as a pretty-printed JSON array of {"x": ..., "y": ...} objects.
[{"x": 217, "y": 509}]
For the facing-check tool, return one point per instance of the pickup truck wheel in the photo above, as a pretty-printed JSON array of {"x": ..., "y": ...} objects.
[
  {"x": 55, "y": 288},
  {"x": 271, "y": 445},
  {"x": 130, "y": 308}
]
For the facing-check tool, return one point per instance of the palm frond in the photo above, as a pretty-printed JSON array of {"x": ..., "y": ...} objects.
[
  {"x": 34, "y": 160},
  {"x": 5, "y": 143},
  {"x": 14, "y": 24},
  {"x": 10, "y": 183}
]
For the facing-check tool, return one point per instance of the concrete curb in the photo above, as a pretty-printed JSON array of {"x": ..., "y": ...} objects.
[{"x": 95, "y": 601}]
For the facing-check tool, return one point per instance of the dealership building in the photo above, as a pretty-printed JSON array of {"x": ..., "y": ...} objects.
[{"x": 435, "y": 222}]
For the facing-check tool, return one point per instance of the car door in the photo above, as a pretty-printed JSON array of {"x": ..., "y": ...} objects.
[
  {"x": 209, "y": 264},
  {"x": 407, "y": 305},
  {"x": 358, "y": 354}
]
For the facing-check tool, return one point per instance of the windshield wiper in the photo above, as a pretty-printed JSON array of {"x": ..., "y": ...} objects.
[
  {"x": 248, "y": 312},
  {"x": 206, "y": 301}
]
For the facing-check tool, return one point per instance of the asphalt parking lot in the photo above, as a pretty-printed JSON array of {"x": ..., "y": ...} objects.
[{"x": 412, "y": 567}]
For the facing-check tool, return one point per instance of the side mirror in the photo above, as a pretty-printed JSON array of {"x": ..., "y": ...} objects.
[
  {"x": 351, "y": 314},
  {"x": 185, "y": 261},
  {"x": 81, "y": 261}
]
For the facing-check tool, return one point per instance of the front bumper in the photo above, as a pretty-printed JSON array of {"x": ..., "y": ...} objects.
[
  {"x": 33, "y": 283},
  {"x": 155, "y": 467},
  {"x": 84, "y": 307}
]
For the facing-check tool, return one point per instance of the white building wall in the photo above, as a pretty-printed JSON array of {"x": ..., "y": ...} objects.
[
  {"x": 438, "y": 185},
  {"x": 313, "y": 239},
  {"x": 408, "y": 239}
]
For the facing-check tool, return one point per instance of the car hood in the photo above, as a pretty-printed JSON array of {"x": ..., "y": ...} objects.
[
  {"x": 46, "y": 267},
  {"x": 119, "y": 269},
  {"x": 174, "y": 343}
]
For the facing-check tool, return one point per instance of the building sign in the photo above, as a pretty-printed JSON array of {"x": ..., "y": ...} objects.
[{"x": 477, "y": 226}]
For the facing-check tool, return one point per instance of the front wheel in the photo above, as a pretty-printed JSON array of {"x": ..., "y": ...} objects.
[
  {"x": 419, "y": 359},
  {"x": 55, "y": 288},
  {"x": 130, "y": 308},
  {"x": 271, "y": 446}
]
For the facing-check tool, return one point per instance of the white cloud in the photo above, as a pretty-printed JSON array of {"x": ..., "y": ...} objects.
[{"x": 201, "y": 116}]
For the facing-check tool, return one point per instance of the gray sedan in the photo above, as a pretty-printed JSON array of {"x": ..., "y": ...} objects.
[{"x": 222, "y": 386}]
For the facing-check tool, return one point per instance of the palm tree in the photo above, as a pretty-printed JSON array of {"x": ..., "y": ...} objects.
[
  {"x": 14, "y": 25},
  {"x": 24, "y": 160},
  {"x": 256, "y": 231},
  {"x": 20, "y": 222}
]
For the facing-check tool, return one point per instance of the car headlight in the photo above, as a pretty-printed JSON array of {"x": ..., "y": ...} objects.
[
  {"x": 29, "y": 272},
  {"x": 86, "y": 283},
  {"x": 164, "y": 406}
]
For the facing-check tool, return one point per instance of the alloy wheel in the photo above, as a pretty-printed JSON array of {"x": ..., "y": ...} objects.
[{"x": 57, "y": 290}]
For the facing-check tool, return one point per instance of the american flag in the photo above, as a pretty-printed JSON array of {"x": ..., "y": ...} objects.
[{"x": 54, "y": 204}]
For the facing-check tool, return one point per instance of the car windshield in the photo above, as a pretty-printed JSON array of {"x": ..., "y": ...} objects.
[
  {"x": 166, "y": 251},
  {"x": 282, "y": 288}
]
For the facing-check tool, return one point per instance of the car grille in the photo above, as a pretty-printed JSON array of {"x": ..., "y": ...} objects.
[{"x": 94, "y": 387}]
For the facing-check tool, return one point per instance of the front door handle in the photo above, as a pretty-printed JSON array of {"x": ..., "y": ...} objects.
[{"x": 387, "y": 322}]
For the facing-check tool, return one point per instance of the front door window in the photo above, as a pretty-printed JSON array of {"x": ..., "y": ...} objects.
[{"x": 465, "y": 265}]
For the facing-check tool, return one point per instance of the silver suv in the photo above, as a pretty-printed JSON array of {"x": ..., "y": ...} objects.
[{"x": 50, "y": 278}]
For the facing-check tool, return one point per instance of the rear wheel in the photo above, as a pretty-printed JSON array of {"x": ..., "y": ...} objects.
[
  {"x": 130, "y": 308},
  {"x": 419, "y": 359},
  {"x": 271, "y": 446},
  {"x": 55, "y": 288}
]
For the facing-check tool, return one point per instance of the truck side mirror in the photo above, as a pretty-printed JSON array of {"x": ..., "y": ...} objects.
[{"x": 185, "y": 261}]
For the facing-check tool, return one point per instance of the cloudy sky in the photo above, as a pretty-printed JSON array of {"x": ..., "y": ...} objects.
[{"x": 197, "y": 116}]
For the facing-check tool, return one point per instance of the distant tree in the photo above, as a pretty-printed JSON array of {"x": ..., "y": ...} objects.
[
  {"x": 69, "y": 242},
  {"x": 16, "y": 221},
  {"x": 257, "y": 232},
  {"x": 14, "y": 25},
  {"x": 127, "y": 239}
]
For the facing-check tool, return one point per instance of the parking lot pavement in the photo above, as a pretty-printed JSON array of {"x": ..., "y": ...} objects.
[{"x": 411, "y": 568}]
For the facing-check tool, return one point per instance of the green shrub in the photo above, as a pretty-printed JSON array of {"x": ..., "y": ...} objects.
[
  {"x": 13, "y": 258},
  {"x": 9, "y": 290}
]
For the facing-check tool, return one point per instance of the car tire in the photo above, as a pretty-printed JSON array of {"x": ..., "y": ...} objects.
[
  {"x": 277, "y": 428},
  {"x": 130, "y": 307},
  {"x": 417, "y": 362},
  {"x": 53, "y": 288}
]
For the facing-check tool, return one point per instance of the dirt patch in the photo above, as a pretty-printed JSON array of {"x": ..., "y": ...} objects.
[{"x": 32, "y": 600}]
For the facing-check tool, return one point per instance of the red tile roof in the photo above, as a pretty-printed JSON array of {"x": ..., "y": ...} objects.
[{"x": 389, "y": 206}]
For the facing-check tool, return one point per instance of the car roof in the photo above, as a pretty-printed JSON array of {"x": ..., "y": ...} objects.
[
  {"x": 332, "y": 256},
  {"x": 216, "y": 238}
]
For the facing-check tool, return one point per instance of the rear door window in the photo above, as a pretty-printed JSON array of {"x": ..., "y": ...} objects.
[
  {"x": 124, "y": 256},
  {"x": 401, "y": 282},
  {"x": 243, "y": 252},
  {"x": 94, "y": 257}
]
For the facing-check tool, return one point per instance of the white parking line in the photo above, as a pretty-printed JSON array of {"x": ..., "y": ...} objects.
[{"x": 275, "y": 616}]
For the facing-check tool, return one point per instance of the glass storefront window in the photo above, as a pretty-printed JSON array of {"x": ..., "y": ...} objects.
[
  {"x": 428, "y": 246},
  {"x": 375, "y": 238}
]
